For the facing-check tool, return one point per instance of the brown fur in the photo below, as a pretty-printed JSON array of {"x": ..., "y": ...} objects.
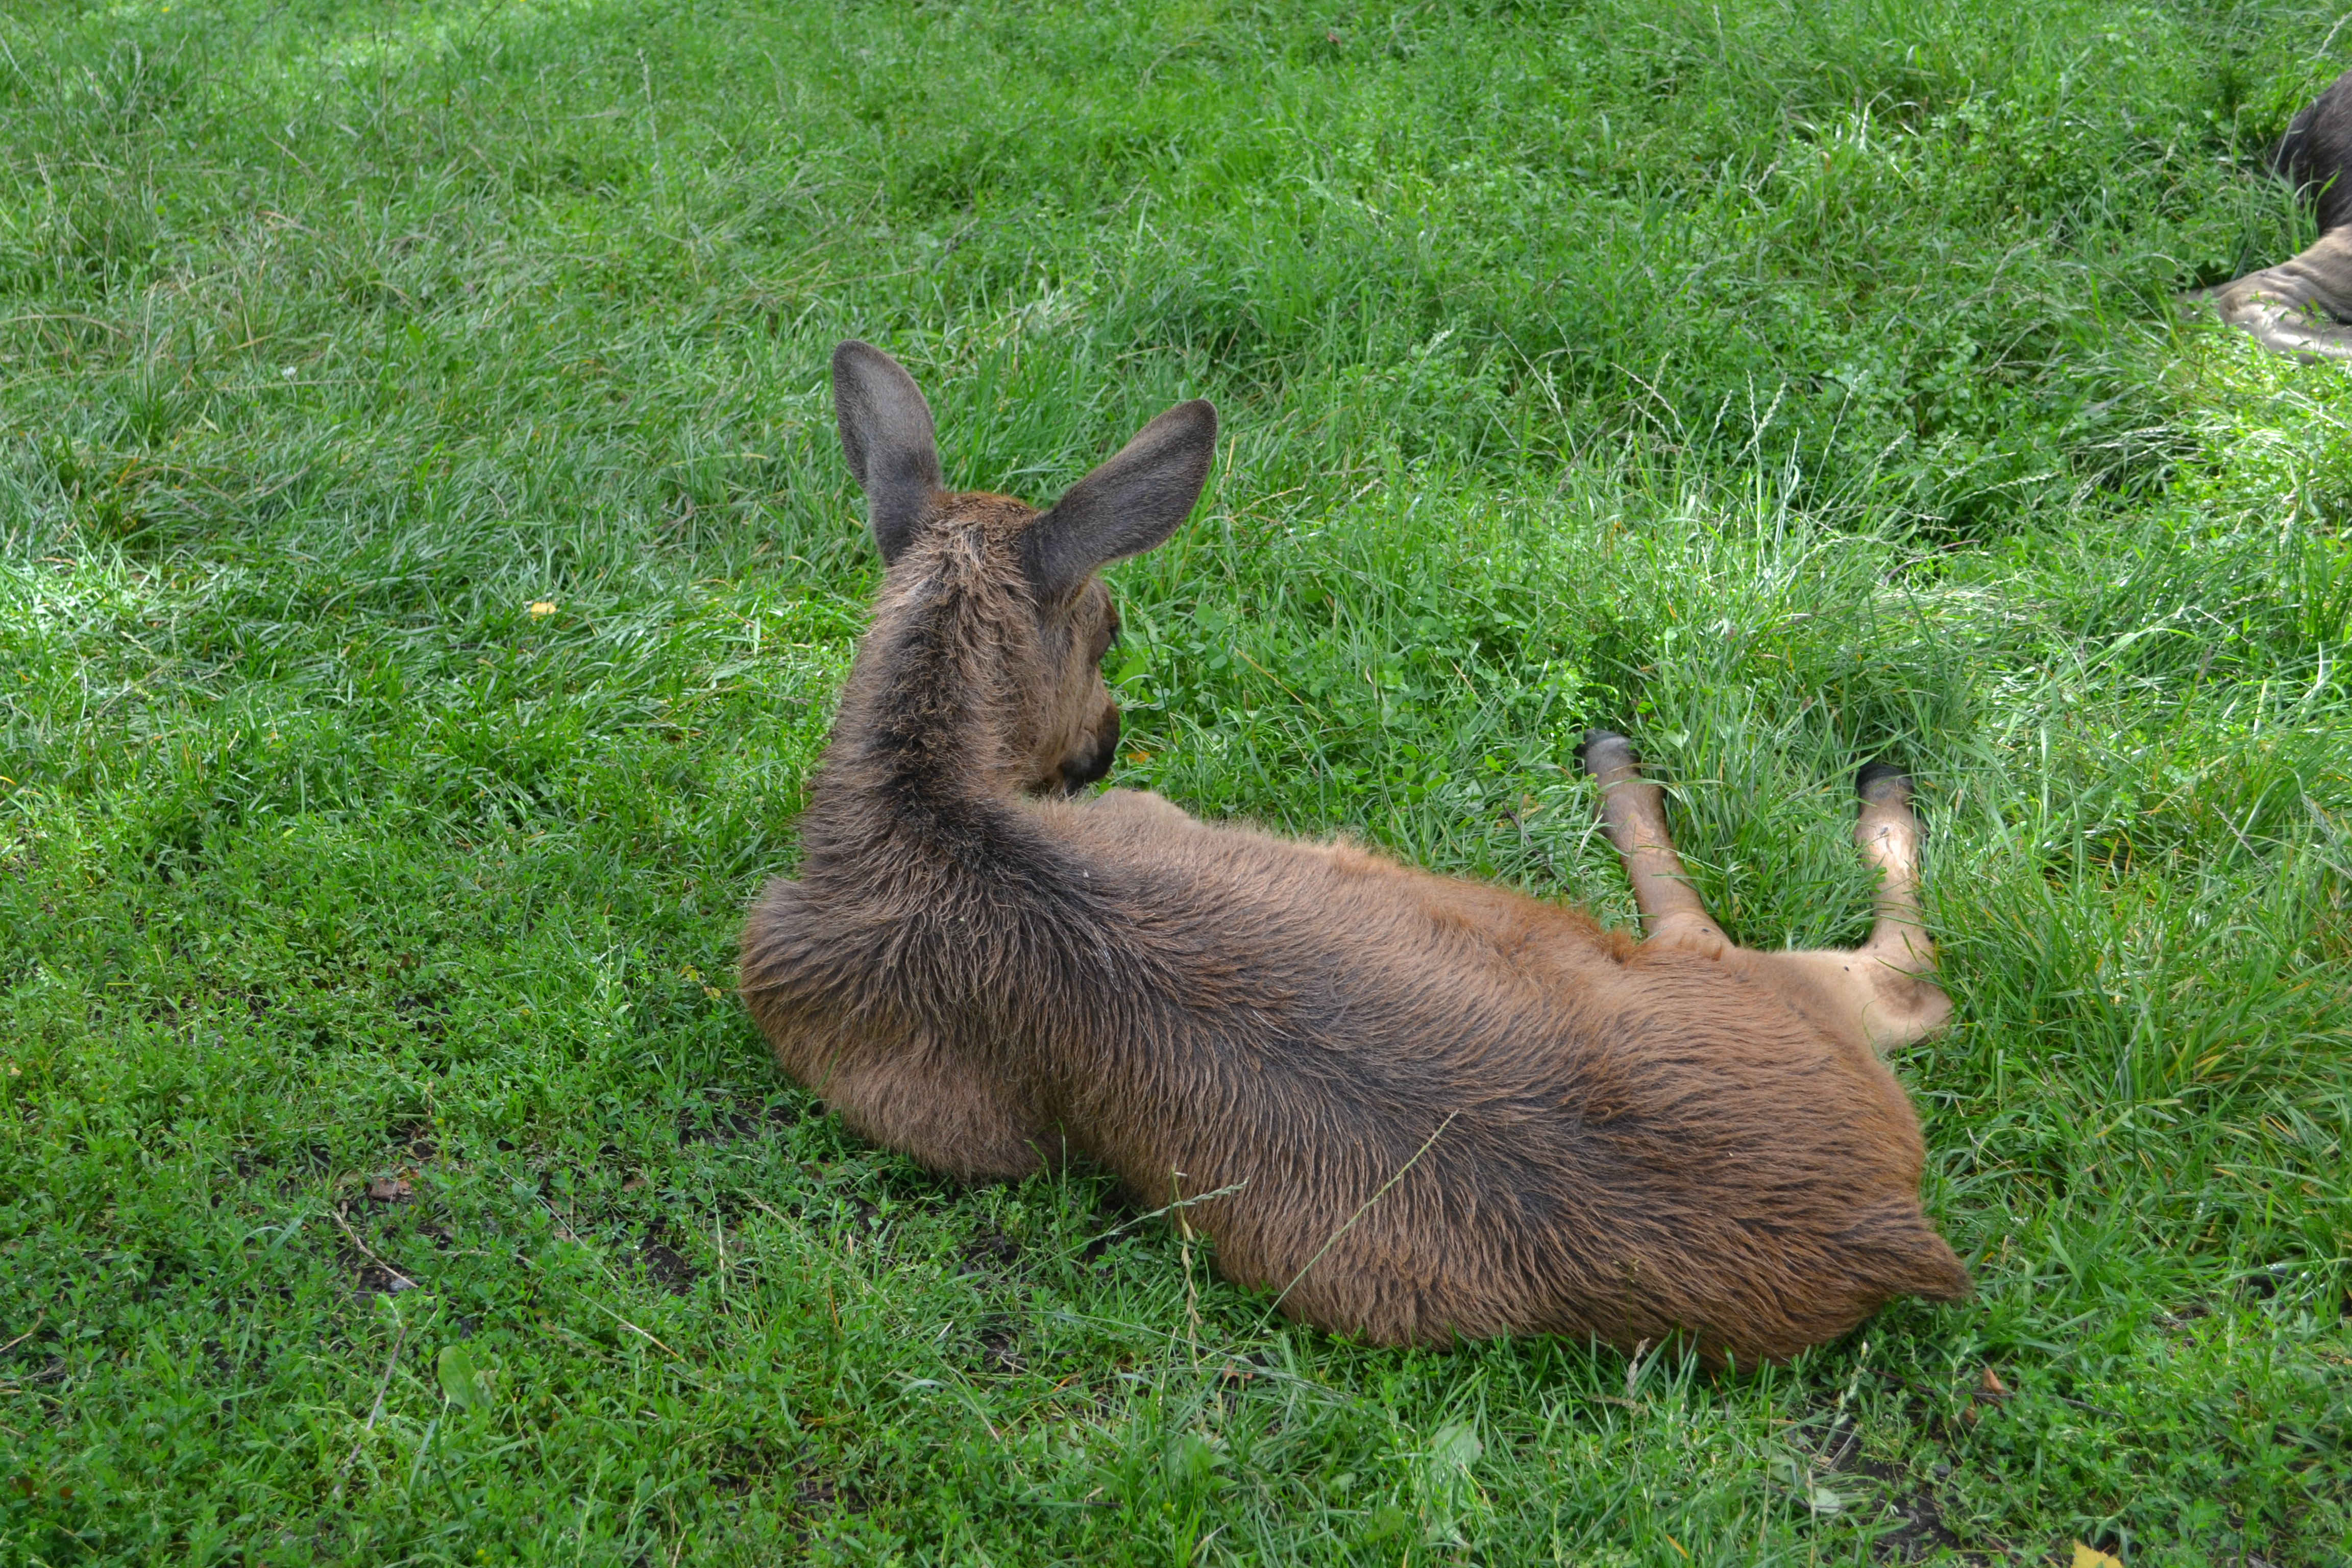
[{"x": 1435, "y": 1109}]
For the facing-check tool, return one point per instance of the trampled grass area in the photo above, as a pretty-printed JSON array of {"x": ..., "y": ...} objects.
[{"x": 1788, "y": 382}]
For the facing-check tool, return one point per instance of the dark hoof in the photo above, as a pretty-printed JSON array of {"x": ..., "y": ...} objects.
[
  {"x": 1882, "y": 784},
  {"x": 1604, "y": 751}
]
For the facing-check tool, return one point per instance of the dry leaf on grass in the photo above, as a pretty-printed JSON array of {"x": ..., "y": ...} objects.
[{"x": 2090, "y": 1556}]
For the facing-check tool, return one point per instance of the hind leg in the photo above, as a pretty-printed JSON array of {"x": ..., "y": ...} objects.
[
  {"x": 2299, "y": 307},
  {"x": 1885, "y": 987},
  {"x": 1634, "y": 814}
]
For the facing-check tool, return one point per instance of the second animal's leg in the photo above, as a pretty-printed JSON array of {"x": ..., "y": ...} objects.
[
  {"x": 2301, "y": 306},
  {"x": 1633, "y": 814}
]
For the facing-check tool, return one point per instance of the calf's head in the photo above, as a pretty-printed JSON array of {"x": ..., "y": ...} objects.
[{"x": 1026, "y": 577}]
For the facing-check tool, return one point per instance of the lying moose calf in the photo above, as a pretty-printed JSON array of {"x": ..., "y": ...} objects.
[
  {"x": 1420, "y": 1108},
  {"x": 2303, "y": 305}
]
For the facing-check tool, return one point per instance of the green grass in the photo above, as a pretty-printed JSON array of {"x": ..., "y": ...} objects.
[{"x": 1789, "y": 382}]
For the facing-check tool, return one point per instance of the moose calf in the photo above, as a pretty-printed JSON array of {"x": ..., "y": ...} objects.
[
  {"x": 2303, "y": 305},
  {"x": 1419, "y": 1109}
]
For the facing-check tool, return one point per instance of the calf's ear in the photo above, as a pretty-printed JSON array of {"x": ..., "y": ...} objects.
[
  {"x": 886, "y": 434},
  {"x": 1130, "y": 504}
]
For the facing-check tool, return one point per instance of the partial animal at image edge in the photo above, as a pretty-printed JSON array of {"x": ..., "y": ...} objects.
[
  {"x": 1419, "y": 1109},
  {"x": 2302, "y": 306}
]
